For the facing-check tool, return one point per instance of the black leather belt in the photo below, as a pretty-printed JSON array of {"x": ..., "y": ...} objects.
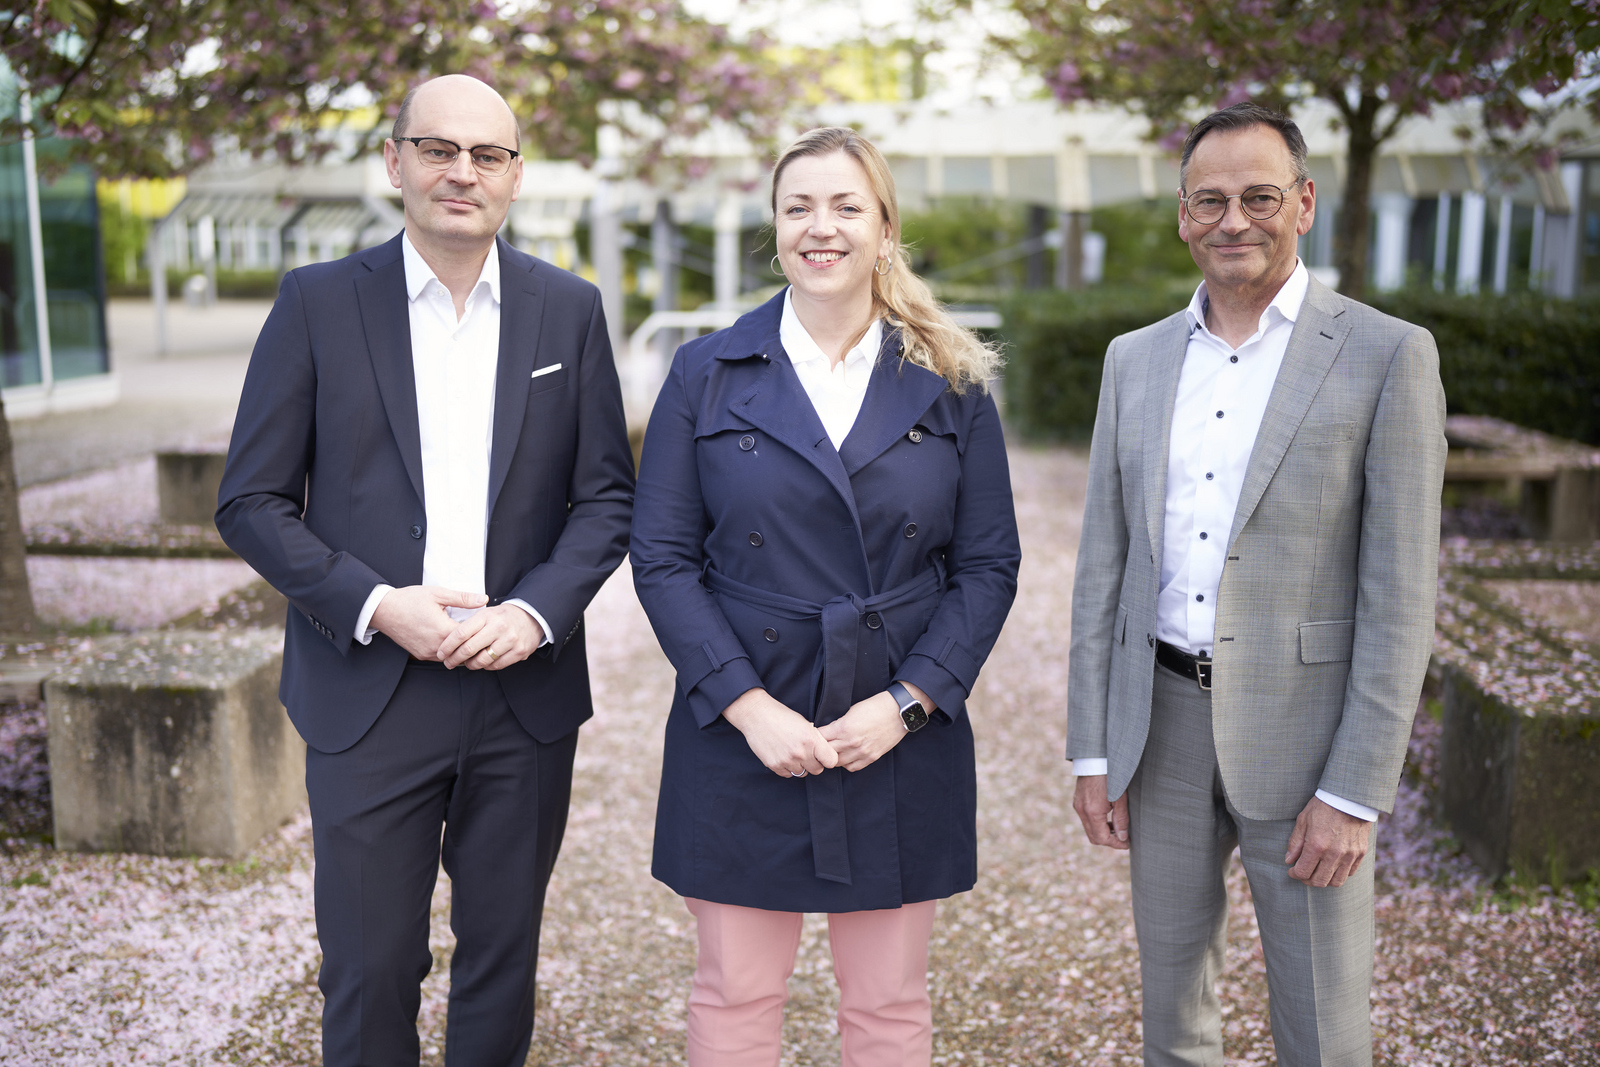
[{"x": 1176, "y": 660}]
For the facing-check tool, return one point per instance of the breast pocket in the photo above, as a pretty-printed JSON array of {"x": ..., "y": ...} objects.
[
  {"x": 1325, "y": 433},
  {"x": 547, "y": 379}
]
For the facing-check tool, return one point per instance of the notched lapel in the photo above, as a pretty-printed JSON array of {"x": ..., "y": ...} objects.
[
  {"x": 386, "y": 323},
  {"x": 1165, "y": 366},
  {"x": 521, "y": 315},
  {"x": 898, "y": 394},
  {"x": 1319, "y": 333}
]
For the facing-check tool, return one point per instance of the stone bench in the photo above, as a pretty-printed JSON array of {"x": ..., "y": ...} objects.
[
  {"x": 173, "y": 743},
  {"x": 1519, "y": 663},
  {"x": 1554, "y": 483},
  {"x": 187, "y": 485}
]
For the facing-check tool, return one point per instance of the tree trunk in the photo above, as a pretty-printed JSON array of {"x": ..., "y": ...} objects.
[
  {"x": 1354, "y": 225},
  {"x": 16, "y": 597}
]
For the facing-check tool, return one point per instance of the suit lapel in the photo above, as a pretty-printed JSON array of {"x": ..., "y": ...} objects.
[
  {"x": 1167, "y": 352},
  {"x": 386, "y": 322},
  {"x": 1319, "y": 333},
  {"x": 521, "y": 314},
  {"x": 898, "y": 393},
  {"x": 778, "y": 405}
]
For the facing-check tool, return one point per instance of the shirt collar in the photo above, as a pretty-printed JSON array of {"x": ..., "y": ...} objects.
[
  {"x": 799, "y": 346},
  {"x": 419, "y": 274},
  {"x": 1291, "y": 295}
]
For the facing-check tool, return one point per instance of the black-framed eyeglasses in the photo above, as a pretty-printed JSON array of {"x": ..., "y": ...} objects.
[
  {"x": 1260, "y": 202},
  {"x": 437, "y": 153}
]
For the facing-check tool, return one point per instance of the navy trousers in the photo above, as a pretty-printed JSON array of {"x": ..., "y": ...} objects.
[{"x": 447, "y": 755}]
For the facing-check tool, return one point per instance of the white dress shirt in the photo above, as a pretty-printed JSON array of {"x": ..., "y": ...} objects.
[
  {"x": 1222, "y": 397},
  {"x": 454, "y": 362},
  {"x": 836, "y": 390}
]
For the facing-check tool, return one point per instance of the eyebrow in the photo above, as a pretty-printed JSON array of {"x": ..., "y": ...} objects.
[{"x": 835, "y": 196}]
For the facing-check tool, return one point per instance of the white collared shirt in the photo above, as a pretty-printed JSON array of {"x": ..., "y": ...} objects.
[
  {"x": 836, "y": 390},
  {"x": 1222, "y": 397},
  {"x": 454, "y": 362}
]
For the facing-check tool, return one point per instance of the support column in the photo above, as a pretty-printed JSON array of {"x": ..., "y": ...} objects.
[
  {"x": 664, "y": 257},
  {"x": 1389, "y": 256},
  {"x": 205, "y": 239},
  {"x": 1441, "y": 242},
  {"x": 1069, "y": 260},
  {"x": 1469, "y": 256},
  {"x": 41, "y": 291},
  {"x": 1034, "y": 265},
  {"x": 726, "y": 277},
  {"x": 1502, "y": 246},
  {"x": 605, "y": 252},
  {"x": 156, "y": 254},
  {"x": 1536, "y": 253}
]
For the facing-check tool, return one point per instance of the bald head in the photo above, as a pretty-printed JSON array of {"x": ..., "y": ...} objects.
[{"x": 452, "y": 94}]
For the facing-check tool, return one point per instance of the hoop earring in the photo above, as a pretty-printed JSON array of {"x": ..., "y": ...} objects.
[
  {"x": 888, "y": 265},
  {"x": 774, "y": 265}
]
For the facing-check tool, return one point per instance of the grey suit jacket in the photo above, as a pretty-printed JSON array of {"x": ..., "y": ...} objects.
[{"x": 1325, "y": 610}]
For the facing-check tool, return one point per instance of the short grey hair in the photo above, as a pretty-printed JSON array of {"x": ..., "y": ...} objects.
[{"x": 1242, "y": 116}]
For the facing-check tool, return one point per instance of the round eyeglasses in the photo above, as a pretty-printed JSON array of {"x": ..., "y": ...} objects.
[
  {"x": 438, "y": 154},
  {"x": 1260, "y": 202}
]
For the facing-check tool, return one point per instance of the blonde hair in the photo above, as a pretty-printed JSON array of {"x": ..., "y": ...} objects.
[{"x": 929, "y": 336}]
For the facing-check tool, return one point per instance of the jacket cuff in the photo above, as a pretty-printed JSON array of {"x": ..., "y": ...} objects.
[
  {"x": 944, "y": 688},
  {"x": 718, "y": 688}
]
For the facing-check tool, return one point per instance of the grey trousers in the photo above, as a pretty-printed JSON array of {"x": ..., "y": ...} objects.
[{"x": 1317, "y": 943}]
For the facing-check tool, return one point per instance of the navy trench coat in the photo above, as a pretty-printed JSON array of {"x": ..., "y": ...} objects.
[{"x": 765, "y": 558}]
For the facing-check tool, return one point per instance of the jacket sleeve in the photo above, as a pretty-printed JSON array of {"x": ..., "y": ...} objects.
[
  {"x": 668, "y": 555},
  {"x": 1097, "y": 582},
  {"x": 599, "y": 497},
  {"x": 263, "y": 492},
  {"x": 1396, "y": 578},
  {"x": 981, "y": 572}
]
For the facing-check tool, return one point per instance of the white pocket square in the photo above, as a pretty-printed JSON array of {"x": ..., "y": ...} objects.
[{"x": 551, "y": 369}]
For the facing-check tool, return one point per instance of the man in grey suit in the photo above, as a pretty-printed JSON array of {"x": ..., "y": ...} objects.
[{"x": 1253, "y": 609}]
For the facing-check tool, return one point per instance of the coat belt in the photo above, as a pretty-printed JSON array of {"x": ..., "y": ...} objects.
[{"x": 833, "y": 683}]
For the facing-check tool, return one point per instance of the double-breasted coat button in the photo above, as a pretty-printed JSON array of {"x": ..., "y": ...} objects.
[
  {"x": 755, "y": 538},
  {"x": 873, "y": 620},
  {"x": 747, "y": 442},
  {"x": 770, "y": 634},
  {"x": 416, "y": 531},
  {"x": 911, "y": 529},
  {"x": 916, "y": 437}
]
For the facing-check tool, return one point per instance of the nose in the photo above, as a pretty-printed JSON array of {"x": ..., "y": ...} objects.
[
  {"x": 462, "y": 172},
  {"x": 822, "y": 224},
  {"x": 1234, "y": 220}
]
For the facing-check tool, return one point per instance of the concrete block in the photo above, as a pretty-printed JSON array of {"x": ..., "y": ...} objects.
[
  {"x": 187, "y": 484},
  {"x": 1519, "y": 789},
  {"x": 173, "y": 743}
]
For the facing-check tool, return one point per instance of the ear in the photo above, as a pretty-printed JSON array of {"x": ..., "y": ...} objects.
[
  {"x": 1183, "y": 222},
  {"x": 391, "y": 161},
  {"x": 516, "y": 183},
  {"x": 886, "y": 246},
  {"x": 1308, "y": 207}
]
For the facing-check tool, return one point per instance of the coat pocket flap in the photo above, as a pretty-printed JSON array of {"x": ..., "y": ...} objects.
[
  {"x": 719, "y": 419},
  {"x": 1327, "y": 642}
]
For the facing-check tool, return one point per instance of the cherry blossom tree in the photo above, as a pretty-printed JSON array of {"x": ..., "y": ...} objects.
[
  {"x": 1378, "y": 62},
  {"x": 153, "y": 88}
]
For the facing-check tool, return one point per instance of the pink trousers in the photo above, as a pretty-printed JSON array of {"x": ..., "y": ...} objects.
[{"x": 741, "y": 984}]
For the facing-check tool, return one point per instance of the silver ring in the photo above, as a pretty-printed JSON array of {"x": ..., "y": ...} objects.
[{"x": 797, "y": 774}]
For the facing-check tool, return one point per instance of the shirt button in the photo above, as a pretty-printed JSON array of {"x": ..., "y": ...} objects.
[
  {"x": 1200, "y": 596},
  {"x": 873, "y": 621},
  {"x": 1219, "y": 414},
  {"x": 1209, "y": 476},
  {"x": 911, "y": 529},
  {"x": 416, "y": 531},
  {"x": 755, "y": 539},
  {"x": 916, "y": 437},
  {"x": 1233, "y": 359},
  {"x": 747, "y": 442},
  {"x": 1202, "y": 535},
  {"x": 770, "y": 634}
]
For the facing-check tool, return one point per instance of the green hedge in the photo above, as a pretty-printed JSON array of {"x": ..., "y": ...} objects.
[{"x": 1529, "y": 359}]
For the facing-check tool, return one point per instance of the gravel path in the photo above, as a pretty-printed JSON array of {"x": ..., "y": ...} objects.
[{"x": 113, "y": 960}]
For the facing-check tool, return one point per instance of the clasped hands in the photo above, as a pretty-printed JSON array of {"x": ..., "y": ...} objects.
[
  {"x": 791, "y": 747},
  {"x": 1325, "y": 848},
  {"x": 414, "y": 617}
]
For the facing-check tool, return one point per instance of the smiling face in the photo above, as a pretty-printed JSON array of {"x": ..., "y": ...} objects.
[
  {"x": 1237, "y": 252},
  {"x": 458, "y": 206},
  {"x": 831, "y": 228}
]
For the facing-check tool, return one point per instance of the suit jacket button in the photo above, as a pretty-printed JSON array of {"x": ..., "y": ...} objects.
[
  {"x": 916, "y": 437},
  {"x": 416, "y": 531},
  {"x": 1150, "y": 639},
  {"x": 770, "y": 634},
  {"x": 747, "y": 442},
  {"x": 755, "y": 538},
  {"x": 873, "y": 620},
  {"x": 911, "y": 529}
]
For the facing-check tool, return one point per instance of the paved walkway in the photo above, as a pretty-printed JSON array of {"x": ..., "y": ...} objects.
[{"x": 184, "y": 399}]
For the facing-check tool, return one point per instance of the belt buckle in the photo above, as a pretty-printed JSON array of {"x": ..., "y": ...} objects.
[{"x": 1202, "y": 672}]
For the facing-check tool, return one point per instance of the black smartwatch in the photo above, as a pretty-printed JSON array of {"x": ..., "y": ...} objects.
[{"x": 912, "y": 713}]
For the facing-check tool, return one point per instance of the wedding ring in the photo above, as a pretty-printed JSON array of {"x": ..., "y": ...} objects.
[
  {"x": 797, "y": 774},
  {"x": 491, "y": 653}
]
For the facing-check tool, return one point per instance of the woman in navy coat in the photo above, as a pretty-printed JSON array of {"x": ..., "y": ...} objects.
[{"x": 824, "y": 540}]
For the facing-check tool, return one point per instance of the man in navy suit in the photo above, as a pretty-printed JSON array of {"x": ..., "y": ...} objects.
[{"x": 431, "y": 463}]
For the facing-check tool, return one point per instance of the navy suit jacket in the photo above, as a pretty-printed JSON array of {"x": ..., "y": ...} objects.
[{"x": 323, "y": 490}]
